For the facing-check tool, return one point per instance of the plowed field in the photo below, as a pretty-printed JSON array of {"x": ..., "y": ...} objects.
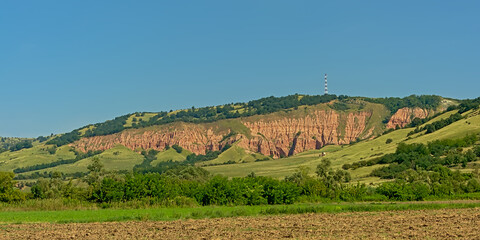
[{"x": 422, "y": 224}]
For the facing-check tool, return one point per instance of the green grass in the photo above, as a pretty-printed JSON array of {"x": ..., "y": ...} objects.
[
  {"x": 170, "y": 154},
  {"x": 236, "y": 154},
  {"x": 379, "y": 112},
  {"x": 32, "y": 156},
  {"x": 364, "y": 172},
  {"x": 457, "y": 129},
  {"x": 117, "y": 158},
  {"x": 440, "y": 117},
  {"x": 144, "y": 118},
  {"x": 161, "y": 214},
  {"x": 339, "y": 155},
  {"x": 234, "y": 125},
  {"x": 122, "y": 158}
]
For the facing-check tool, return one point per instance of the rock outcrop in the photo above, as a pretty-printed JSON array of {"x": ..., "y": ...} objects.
[
  {"x": 405, "y": 116},
  {"x": 277, "y": 137}
]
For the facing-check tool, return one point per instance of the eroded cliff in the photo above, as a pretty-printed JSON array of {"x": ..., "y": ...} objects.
[
  {"x": 405, "y": 116},
  {"x": 271, "y": 135}
]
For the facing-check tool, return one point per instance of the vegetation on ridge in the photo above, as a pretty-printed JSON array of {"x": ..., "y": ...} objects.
[
  {"x": 228, "y": 111},
  {"x": 421, "y": 166},
  {"x": 395, "y": 103}
]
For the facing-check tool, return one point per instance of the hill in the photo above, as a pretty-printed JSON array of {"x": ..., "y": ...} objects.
[
  {"x": 362, "y": 151},
  {"x": 270, "y": 136}
]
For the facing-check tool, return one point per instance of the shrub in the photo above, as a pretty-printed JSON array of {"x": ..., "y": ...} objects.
[{"x": 177, "y": 148}]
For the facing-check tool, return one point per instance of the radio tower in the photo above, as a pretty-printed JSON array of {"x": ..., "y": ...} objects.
[{"x": 326, "y": 89}]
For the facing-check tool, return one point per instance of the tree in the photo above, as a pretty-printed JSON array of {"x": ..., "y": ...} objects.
[
  {"x": 96, "y": 171},
  {"x": 300, "y": 176},
  {"x": 477, "y": 151},
  {"x": 54, "y": 187},
  {"x": 430, "y": 128},
  {"x": 177, "y": 148},
  {"x": 8, "y": 191},
  {"x": 323, "y": 168}
]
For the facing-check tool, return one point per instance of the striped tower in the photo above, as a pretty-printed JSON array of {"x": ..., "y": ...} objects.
[{"x": 326, "y": 89}]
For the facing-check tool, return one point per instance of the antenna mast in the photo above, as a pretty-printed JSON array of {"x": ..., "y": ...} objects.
[{"x": 326, "y": 89}]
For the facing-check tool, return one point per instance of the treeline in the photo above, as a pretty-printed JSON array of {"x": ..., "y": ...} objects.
[
  {"x": 107, "y": 127},
  {"x": 437, "y": 125},
  {"x": 65, "y": 138},
  {"x": 418, "y": 156},
  {"x": 78, "y": 156},
  {"x": 395, "y": 103},
  {"x": 191, "y": 159},
  {"x": 197, "y": 115},
  {"x": 235, "y": 110},
  {"x": 99, "y": 129},
  {"x": 50, "y": 174},
  {"x": 189, "y": 183},
  {"x": 468, "y": 104},
  {"x": 21, "y": 145},
  {"x": 15, "y": 144},
  {"x": 439, "y": 181},
  {"x": 419, "y": 121},
  {"x": 149, "y": 156},
  {"x": 228, "y": 111}
]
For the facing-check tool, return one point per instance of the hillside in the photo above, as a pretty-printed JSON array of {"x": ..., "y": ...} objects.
[
  {"x": 270, "y": 136},
  {"x": 362, "y": 151}
]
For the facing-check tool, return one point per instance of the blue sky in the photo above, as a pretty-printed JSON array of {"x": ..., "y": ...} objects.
[{"x": 65, "y": 64}]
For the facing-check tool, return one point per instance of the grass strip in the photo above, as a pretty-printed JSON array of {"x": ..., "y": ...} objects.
[{"x": 168, "y": 214}]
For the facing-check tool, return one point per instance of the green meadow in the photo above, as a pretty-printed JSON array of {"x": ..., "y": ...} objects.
[{"x": 175, "y": 213}]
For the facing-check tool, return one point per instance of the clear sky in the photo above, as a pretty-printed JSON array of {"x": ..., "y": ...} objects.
[{"x": 65, "y": 64}]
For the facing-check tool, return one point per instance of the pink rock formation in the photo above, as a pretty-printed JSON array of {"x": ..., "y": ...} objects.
[
  {"x": 405, "y": 116},
  {"x": 278, "y": 137}
]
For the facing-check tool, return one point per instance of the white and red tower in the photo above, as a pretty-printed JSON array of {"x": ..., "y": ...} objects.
[{"x": 326, "y": 88}]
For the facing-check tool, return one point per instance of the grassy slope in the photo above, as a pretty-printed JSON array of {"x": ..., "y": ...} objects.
[
  {"x": 236, "y": 154},
  {"x": 336, "y": 154},
  {"x": 32, "y": 156},
  {"x": 117, "y": 158},
  {"x": 234, "y": 125},
  {"x": 144, "y": 118},
  {"x": 170, "y": 154},
  {"x": 125, "y": 159},
  {"x": 339, "y": 155},
  {"x": 458, "y": 129}
]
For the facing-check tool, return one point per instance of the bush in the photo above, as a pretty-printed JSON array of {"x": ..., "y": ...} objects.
[
  {"x": 477, "y": 151},
  {"x": 21, "y": 145},
  {"x": 8, "y": 192},
  {"x": 177, "y": 148}
]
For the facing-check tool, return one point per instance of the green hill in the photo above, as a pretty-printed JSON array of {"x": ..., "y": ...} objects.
[
  {"x": 38, "y": 154},
  {"x": 236, "y": 161},
  {"x": 170, "y": 154},
  {"x": 235, "y": 154},
  {"x": 365, "y": 150},
  {"x": 114, "y": 159},
  {"x": 230, "y": 111}
]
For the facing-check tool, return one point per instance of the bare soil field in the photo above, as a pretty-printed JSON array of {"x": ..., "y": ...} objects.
[{"x": 421, "y": 224}]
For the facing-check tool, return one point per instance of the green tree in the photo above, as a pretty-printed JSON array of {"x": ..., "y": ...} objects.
[
  {"x": 177, "y": 148},
  {"x": 96, "y": 171},
  {"x": 8, "y": 191},
  {"x": 477, "y": 151}
]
